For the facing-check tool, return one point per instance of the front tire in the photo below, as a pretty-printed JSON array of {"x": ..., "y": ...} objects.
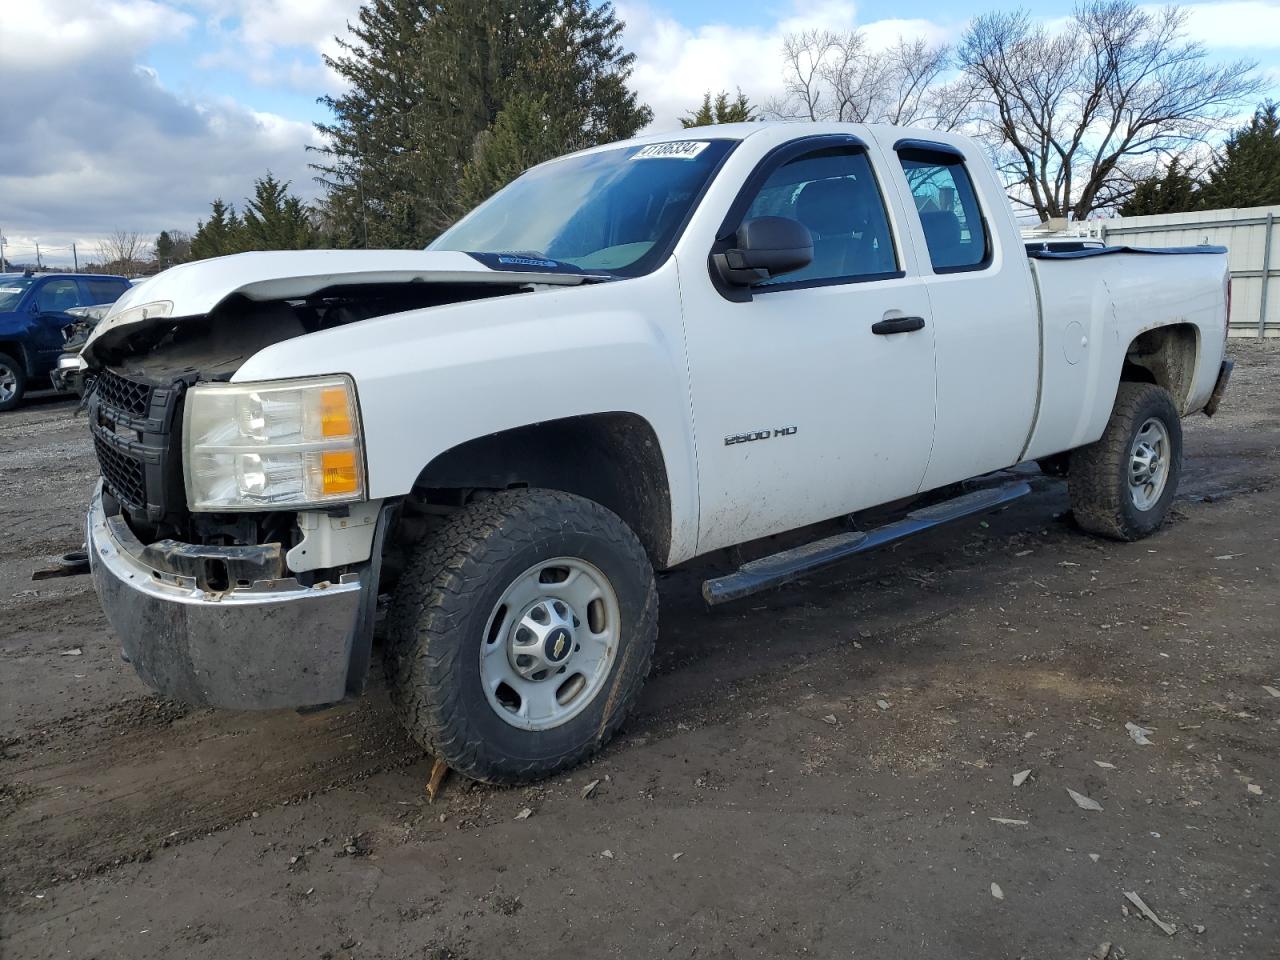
[
  {"x": 1123, "y": 486},
  {"x": 520, "y": 635},
  {"x": 13, "y": 382}
]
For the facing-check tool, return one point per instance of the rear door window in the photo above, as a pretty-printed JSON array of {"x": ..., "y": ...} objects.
[
  {"x": 954, "y": 228},
  {"x": 102, "y": 290}
]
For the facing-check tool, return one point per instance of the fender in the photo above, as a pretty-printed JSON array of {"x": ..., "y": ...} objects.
[{"x": 429, "y": 380}]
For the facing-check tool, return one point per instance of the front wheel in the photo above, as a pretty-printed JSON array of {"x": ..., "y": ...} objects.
[
  {"x": 521, "y": 633},
  {"x": 1123, "y": 486},
  {"x": 13, "y": 382}
]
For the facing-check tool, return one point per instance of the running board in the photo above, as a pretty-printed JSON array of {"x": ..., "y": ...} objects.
[{"x": 780, "y": 568}]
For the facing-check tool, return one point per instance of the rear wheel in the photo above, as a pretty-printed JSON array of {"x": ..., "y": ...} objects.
[
  {"x": 13, "y": 382},
  {"x": 521, "y": 633},
  {"x": 1123, "y": 486}
]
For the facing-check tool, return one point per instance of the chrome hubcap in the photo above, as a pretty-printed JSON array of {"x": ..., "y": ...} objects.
[
  {"x": 1149, "y": 464},
  {"x": 549, "y": 643}
]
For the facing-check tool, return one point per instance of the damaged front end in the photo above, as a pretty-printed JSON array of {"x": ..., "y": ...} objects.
[{"x": 236, "y": 604}]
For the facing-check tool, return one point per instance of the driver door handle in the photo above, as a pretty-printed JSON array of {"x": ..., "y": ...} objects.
[{"x": 897, "y": 325}]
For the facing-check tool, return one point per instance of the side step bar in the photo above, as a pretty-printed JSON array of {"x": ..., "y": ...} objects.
[{"x": 780, "y": 568}]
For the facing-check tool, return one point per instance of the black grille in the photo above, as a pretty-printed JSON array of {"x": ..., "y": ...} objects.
[
  {"x": 124, "y": 395},
  {"x": 124, "y": 476}
]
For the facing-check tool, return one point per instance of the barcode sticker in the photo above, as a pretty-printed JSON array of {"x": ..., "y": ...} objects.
[{"x": 672, "y": 150}]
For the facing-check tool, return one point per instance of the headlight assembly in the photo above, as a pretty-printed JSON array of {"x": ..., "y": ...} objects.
[{"x": 272, "y": 445}]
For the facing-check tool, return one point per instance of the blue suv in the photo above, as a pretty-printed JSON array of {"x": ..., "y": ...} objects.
[{"x": 33, "y": 311}]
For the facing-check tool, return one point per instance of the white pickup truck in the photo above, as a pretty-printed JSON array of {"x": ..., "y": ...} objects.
[{"x": 627, "y": 358}]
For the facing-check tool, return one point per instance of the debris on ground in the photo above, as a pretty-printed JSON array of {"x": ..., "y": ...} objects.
[
  {"x": 1254, "y": 789},
  {"x": 607, "y": 854},
  {"x": 1103, "y": 952},
  {"x": 439, "y": 770},
  {"x": 1104, "y": 765},
  {"x": 882, "y": 704},
  {"x": 525, "y": 814},
  {"x": 1150, "y": 914},
  {"x": 1095, "y": 857},
  {"x": 1083, "y": 802},
  {"x": 1274, "y": 691},
  {"x": 677, "y": 856},
  {"x": 1198, "y": 927},
  {"x": 1020, "y": 777},
  {"x": 830, "y": 718},
  {"x": 589, "y": 789},
  {"x": 996, "y": 891},
  {"x": 1139, "y": 734},
  {"x": 1008, "y": 821},
  {"x": 73, "y": 652}
]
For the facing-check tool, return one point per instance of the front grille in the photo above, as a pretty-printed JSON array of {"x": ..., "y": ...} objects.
[
  {"x": 135, "y": 427},
  {"x": 124, "y": 476},
  {"x": 128, "y": 396}
]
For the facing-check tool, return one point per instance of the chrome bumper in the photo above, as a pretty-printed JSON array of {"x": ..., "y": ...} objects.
[{"x": 273, "y": 644}]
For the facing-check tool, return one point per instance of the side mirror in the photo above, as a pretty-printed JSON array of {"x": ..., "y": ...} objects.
[{"x": 766, "y": 247}]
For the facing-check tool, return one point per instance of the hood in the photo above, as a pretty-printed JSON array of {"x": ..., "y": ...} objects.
[{"x": 195, "y": 289}]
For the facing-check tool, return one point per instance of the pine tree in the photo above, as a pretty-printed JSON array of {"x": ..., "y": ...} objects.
[
  {"x": 425, "y": 80},
  {"x": 274, "y": 219},
  {"x": 525, "y": 134},
  {"x": 218, "y": 236},
  {"x": 720, "y": 110},
  {"x": 1246, "y": 172},
  {"x": 1177, "y": 190}
]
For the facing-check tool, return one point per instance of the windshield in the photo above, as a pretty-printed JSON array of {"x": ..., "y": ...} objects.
[
  {"x": 616, "y": 211},
  {"x": 11, "y": 290}
]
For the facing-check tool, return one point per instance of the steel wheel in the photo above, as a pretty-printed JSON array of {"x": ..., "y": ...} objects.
[
  {"x": 1149, "y": 463},
  {"x": 550, "y": 643}
]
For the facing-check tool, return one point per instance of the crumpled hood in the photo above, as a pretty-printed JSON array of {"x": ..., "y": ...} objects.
[{"x": 194, "y": 289}]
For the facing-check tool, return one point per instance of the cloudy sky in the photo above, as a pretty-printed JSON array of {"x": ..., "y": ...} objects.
[{"x": 133, "y": 114}]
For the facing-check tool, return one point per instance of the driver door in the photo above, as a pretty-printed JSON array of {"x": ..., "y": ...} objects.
[
  {"x": 802, "y": 410},
  {"x": 53, "y": 298}
]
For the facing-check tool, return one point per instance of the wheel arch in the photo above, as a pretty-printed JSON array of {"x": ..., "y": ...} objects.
[
  {"x": 614, "y": 459},
  {"x": 1166, "y": 356},
  {"x": 17, "y": 349}
]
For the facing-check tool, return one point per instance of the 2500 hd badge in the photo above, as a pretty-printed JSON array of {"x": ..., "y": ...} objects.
[{"x": 760, "y": 435}]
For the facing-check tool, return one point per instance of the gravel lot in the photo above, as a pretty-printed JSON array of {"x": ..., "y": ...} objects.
[{"x": 812, "y": 772}]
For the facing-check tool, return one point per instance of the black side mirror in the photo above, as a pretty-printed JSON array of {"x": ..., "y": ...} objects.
[{"x": 766, "y": 247}]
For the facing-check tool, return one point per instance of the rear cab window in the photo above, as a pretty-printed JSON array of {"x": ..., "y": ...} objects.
[{"x": 955, "y": 229}]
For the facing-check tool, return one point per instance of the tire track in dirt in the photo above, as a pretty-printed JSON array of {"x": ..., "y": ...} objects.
[{"x": 94, "y": 790}]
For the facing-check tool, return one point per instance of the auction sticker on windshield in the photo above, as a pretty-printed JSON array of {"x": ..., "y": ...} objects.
[{"x": 673, "y": 150}]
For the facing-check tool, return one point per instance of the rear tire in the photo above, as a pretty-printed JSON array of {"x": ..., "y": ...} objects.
[
  {"x": 1123, "y": 486},
  {"x": 499, "y": 660},
  {"x": 13, "y": 382}
]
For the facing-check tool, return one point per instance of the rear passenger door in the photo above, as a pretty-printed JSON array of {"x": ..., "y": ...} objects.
[
  {"x": 985, "y": 325},
  {"x": 96, "y": 291},
  {"x": 803, "y": 411}
]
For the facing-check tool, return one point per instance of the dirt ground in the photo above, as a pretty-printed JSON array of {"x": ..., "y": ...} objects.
[{"x": 811, "y": 772}]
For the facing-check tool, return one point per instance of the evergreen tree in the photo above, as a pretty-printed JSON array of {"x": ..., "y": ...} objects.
[
  {"x": 425, "y": 80},
  {"x": 1246, "y": 172},
  {"x": 1177, "y": 190},
  {"x": 720, "y": 110},
  {"x": 172, "y": 247},
  {"x": 218, "y": 236},
  {"x": 274, "y": 219},
  {"x": 525, "y": 134}
]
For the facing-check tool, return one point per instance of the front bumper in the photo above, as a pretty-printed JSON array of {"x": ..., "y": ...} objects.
[{"x": 275, "y": 643}]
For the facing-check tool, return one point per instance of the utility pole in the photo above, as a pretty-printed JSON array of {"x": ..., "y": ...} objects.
[
  {"x": 75, "y": 258},
  {"x": 39, "y": 266},
  {"x": 1, "y": 250}
]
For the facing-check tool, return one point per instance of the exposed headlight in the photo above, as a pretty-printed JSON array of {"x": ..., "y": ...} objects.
[
  {"x": 143, "y": 311},
  {"x": 272, "y": 445}
]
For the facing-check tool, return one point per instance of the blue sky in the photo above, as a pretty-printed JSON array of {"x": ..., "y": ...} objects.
[{"x": 139, "y": 112}]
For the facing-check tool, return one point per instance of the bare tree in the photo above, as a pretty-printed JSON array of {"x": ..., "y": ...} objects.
[
  {"x": 124, "y": 251},
  {"x": 839, "y": 76},
  {"x": 1075, "y": 117}
]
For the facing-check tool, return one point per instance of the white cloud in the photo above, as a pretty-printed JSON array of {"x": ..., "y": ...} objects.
[
  {"x": 677, "y": 64},
  {"x": 1245, "y": 24},
  {"x": 104, "y": 145}
]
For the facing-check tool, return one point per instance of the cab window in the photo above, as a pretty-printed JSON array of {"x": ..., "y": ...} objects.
[
  {"x": 57, "y": 296},
  {"x": 102, "y": 290},
  {"x": 833, "y": 192},
  {"x": 954, "y": 228}
]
